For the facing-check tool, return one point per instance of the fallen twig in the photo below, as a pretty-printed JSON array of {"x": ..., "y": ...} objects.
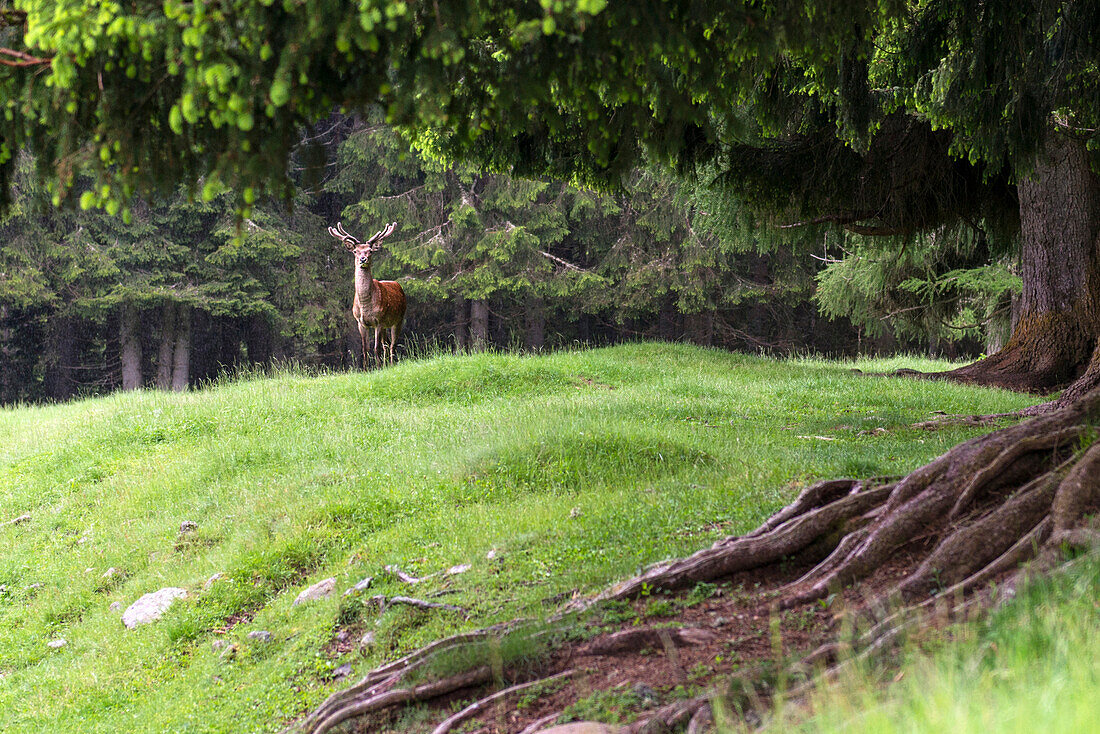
[{"x": 384, "y": 601}]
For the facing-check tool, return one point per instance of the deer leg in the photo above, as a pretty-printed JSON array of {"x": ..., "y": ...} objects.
[
  {"x": 364, "y": 345},
  {"x": 377, "y": 340},
  {"x": 395, "y": 334}
]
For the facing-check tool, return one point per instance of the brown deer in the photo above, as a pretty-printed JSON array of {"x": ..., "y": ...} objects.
[{"x": 378, "y": 303}]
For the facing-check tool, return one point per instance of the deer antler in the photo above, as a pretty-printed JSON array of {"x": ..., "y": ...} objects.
[
  {"x": 375, "y": 241},
  {"x": 348, "y": 241}
]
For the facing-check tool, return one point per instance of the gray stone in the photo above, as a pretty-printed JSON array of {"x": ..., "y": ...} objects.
[
  {"x": 115, "y": 606},
  {"x": 224, "y": 648},
  {"x": 261, "y": 636},
  {"x": 219, "y": 576},
  {"x": 56, "y": 643},
  {"x": 342, "y": 636},
  {"x": 152, "y": 606},
  {"x": 188, "y": 526},
  {"x": 342, "y": 672},
  {"x": 460, "y": 568},
  {"x": 110, "y": 572},
  {"x": 368, "y": 641},
  {"x": 363, "y": 585},
  {"x": 583, "y": 727},
  {"x": 319, "y": 590}
]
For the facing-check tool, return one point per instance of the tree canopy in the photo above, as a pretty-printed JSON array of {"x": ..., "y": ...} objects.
[{"x": 884, "y": 118}]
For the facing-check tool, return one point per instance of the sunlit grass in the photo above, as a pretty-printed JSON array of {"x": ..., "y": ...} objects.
[
  {"x": 574, "y": 468},
  {"x": 1032, "y": 666}
]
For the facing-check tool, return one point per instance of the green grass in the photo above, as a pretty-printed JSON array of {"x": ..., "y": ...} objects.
[
  {"x": 1031, "y": 666},
  {"x": 575, "y": 468}
]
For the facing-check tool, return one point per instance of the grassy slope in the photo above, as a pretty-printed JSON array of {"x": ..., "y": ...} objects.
[
  {"x": 576, "y": 467},
  {"x": 1032, "y": 666}
]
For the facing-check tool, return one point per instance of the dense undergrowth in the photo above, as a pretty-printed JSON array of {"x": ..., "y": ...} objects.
[{"x": 569, "y": 469}]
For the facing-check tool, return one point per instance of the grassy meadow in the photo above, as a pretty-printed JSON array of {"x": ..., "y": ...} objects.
[{"x": 570, "y": 470}]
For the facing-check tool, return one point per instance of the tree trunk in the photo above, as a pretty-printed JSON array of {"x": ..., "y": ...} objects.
[
  {"x": 536, "y": 324},
  {"x": 461, "y": 319},
  {"x": 58, "y": 380},
  {"x": 181, "y": 367},
  {"x": 479, "y": 324},
  {"x": 259, "y": 340},
  {"x": 130, "y": 346},
  {"x": 1057, "y": 321},
  {"x": 167, "y": 343}
]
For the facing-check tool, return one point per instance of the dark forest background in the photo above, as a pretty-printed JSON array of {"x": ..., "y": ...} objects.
[{"x": 181, "y": 291}]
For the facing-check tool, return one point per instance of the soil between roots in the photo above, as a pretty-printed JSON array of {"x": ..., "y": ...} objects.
[{"x": 751, "y": 640}]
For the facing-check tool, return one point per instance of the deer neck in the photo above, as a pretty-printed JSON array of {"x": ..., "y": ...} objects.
[{"x": 365, "y": 286}]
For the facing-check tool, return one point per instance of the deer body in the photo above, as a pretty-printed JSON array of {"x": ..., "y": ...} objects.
[{"x": 378, "y": 304}]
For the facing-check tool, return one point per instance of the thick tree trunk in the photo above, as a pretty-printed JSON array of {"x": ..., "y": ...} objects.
[
  {"x": 536, "y": 324},
  {"x": 1058, "y": 317},
  {"x": 130, "y": 346},
  {"x": 479, "y": 324},
  {"x": 167, "y": 344},
  {"x": 461, "y": 319},
  {"x": 181, "y": 367}
]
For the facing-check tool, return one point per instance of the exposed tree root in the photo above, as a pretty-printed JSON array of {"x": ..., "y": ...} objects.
[
  {"x": 481, "y": 705},
  {"x": 971, "y": 515}
]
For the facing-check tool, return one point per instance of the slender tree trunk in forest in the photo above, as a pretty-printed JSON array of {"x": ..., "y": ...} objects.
[
  {"x": 461, "y": 318},
  {"x": 479, "y": 324},
  {"x": 59, "y": 383},
  {"x": 181, "y": 358},
  {"x": 130, "y": 346},
  {"x": 259, "y": 340},
  {"x": 536, "y": 323},
  {"x": 1058, "y": 316},
  {"x": 167, "y": 343}
]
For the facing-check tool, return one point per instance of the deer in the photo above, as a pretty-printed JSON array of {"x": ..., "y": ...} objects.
[{"x": 378, "y": 304}]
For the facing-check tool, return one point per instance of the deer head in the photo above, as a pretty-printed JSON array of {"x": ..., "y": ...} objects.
[{"x": 361, "y": 250}]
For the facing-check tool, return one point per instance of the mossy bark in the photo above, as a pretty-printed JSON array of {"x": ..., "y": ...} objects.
[{"x": 1059, "y": 309}]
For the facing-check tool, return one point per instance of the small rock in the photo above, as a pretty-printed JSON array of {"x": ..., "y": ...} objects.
[
  {"x": 719, "y": 622},
  {"x": 109, "y": 572},
  {"x": 34, "y": 586},
  {"x": 89, "y": 569},
  {"x": 583, "y": 727},
  {"x": 367, "y": 642},
  {"x": 188, "y": 526},
  {"x": 319, "y": 590},
  {"x": 575, "y": 512},
  {"x": 342, "y": 672},
  {"x": 261, "y": 636},
  {"x": 361, "y": 586},
  {"x": 342, "y": 636},
  {"x": 3, "y": 588},
  {"x": 491, "y": 554},
  {"x": 151, "y": 606},
  {"x": 460, "y": 568},
  {"x": 224, "y": 648},
  {"x": 56, "y": 643},
  {"x": 213, "y": 580},
  {"x": 115, "y": 606}
]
